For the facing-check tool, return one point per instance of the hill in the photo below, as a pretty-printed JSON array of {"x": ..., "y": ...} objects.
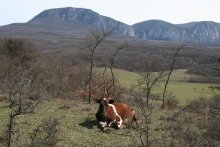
[
  {"x": 68, "y": 18},
  {"x": 201, "y": 32},
  {"x": 62, "y": 31},
  {"x": 79, "y": 20}
]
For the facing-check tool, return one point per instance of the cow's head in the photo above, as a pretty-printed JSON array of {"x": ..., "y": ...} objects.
[
  {"x": 114, "y": 115},
  {"x": 105, "y": 101},
  {"x": 103, "y": 107}
]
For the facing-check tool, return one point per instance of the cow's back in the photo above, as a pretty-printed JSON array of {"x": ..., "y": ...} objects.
[{"x": 124, "y": 110}]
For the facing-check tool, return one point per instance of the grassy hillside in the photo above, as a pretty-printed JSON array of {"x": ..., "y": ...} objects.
[
  {"x": 77, "y": 125},
  {"x": 178, "y": 85}
]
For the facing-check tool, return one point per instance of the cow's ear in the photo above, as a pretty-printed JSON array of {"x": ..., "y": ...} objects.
[
  {"x": 111, "y": 101},
  {"x": 98, "y": 100}
]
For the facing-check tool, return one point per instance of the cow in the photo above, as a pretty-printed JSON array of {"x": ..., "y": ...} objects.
[{"x": 115, "y": 115}]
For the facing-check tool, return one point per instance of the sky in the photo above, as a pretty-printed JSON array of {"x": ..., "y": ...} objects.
[{"x": 127, "y": 11}]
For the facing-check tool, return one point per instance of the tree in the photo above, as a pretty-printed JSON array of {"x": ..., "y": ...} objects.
[
  {"x": 112, "y": 58},
  {"x": 172, "y": 66},
  {"x": 147, "y": 81},
  {"x": 93, "y": 41},
  {"x": 21, "y": 82},
  {"x": 143, "y": 136}
]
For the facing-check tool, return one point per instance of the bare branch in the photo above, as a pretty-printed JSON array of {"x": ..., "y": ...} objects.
[
  {"x": 110, "y": 67},
  {"x": 94, "y": 39},
  {"x": 172, "y": 65}
]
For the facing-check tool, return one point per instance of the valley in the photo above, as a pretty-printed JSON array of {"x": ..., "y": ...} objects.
[{"x": 179, "y": 85}]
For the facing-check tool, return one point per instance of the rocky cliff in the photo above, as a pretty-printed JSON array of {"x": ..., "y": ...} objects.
[
  {"x": 200, "y": 32},
  {"x": 79, "y": 20},
  {"x": 69, "y": 16}
]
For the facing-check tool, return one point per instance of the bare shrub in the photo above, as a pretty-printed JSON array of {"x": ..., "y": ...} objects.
[
  {"x": 198, "y": 105},
  {"x": 213, "y": 128},
  {"x": 77, "y": 79},
  {"x": 46, "y": 133},
  {"x": 143, "y": 130},
  {"x": 3, "y": 98},
  {"x": 64, "y": 105},
  {"x": 101, "y": 87},
  {"x": 62, "y": 80},
  {"x": 21, "y": 82},
  {"x": 55, "y": 77},
  {"x": 199, "y": 109},
  {"x": 171, "y": 102},
  {"x": 196, "y": 124},
  {"x": 182, "y": 131}
]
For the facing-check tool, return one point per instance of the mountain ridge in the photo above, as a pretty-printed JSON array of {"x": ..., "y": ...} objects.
[
  {"x": 82, "y": 20},
  {"x": 84, "y": 16}
]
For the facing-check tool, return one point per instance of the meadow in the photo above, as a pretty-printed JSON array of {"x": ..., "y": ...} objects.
[
  {"x": 77, "y": 123},
  {"x": 179, "y": 85}
]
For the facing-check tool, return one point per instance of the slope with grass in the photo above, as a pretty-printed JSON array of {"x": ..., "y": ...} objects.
[
  {"x": 77, "y": 124},
  {"x": 183, "y": 90}
]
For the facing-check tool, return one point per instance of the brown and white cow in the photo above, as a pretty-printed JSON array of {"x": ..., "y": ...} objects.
[{"x": 112, "y": 114}]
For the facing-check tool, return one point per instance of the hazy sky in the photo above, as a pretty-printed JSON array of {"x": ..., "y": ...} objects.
[{"x": 127, "y": 11}]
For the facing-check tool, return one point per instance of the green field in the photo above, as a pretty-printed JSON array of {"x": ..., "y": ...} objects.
[
  {"x": 78, "y": 125},
  {"x": 178, "y": 85}
]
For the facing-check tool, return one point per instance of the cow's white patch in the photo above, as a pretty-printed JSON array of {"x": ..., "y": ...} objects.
[
  {"x": 118, "y": 123},
  {"x": 102, "y": 124},
  {"x": 110, "y": 124}
]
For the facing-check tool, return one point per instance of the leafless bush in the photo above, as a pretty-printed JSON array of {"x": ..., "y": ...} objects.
[
  {"x": 62, "y": 79},
  {"x": 3, "y": 98},
  {"x": 55, "y": 73},
  {"x": 198, "y": 106},
  {"x": 213, "y": 128},
  {"x": 102, "y": 86},
  {"x": 182, "y": 131},
  {"x": 20, "y": 83},
  {"x": 14, "y": 53},
  {"x": 196, "y": 124},
  {"x": 171, "y": 102},
  {"x": 143, "y": 129},
  {"x": 46, "y": 134}
]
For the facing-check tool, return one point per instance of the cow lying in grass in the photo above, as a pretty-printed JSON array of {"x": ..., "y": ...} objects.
[{"x": 115, "y": 115}]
